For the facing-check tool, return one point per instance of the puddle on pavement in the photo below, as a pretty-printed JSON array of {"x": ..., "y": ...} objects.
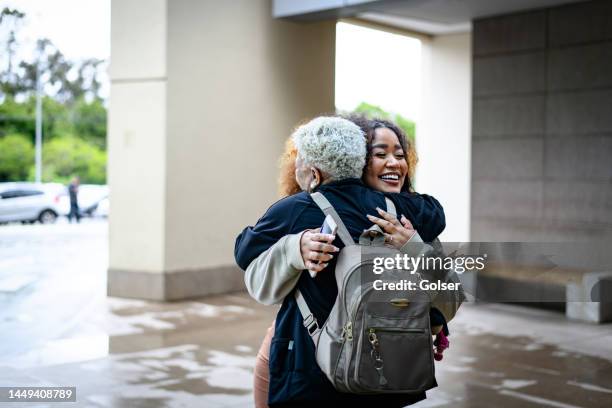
[
  {"x": 489, "y": 370},
  {"x": 203, "y": 354}
]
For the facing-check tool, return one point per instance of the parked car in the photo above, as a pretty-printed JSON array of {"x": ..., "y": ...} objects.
[{"x": 29, "y": 202}]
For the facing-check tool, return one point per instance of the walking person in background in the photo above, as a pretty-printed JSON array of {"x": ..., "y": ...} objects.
[{"x": 73, "y": 191}]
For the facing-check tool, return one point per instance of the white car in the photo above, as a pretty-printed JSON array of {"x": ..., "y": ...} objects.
[{"x": 29, "y": 202}]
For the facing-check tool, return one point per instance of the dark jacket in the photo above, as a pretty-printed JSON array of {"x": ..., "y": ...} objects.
[{"x": 294, "y": 373}]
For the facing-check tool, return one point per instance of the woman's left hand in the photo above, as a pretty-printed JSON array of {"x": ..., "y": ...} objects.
[{"x": 396, "y": 233}]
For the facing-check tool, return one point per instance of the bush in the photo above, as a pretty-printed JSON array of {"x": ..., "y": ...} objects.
[
  {"x": 16, "y": 157},
  {"x": 70, "y": 156}
]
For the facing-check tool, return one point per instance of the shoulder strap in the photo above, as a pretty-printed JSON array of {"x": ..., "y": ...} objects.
[
  {"x": 328, "y": 209},
  {"x": 310, "y": 322},
  {"x": 375, "y": 236},
  {"x": 390, "y": 207}
]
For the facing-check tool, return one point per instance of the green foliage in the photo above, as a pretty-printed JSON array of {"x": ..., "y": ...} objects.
[
  {"x": 16, "y": 157},
  {"x": 89, "y": 121},
  {"x": 74, "y": 115},
  {"x": 373, "y": 111},
  {"x": 17, "y": 118},
  {"x": 66, "y": 157}
]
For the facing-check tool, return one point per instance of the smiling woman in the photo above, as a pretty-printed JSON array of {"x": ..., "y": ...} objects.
[
  {"x": 387, "y": 164},
  {"x": 391, "y": 159}
]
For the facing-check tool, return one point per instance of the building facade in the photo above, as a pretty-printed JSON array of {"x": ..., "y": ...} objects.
[{"x": 515, "y": 137}]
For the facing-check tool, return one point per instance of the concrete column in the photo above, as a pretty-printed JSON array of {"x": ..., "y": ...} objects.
[
  {"x": 137, "y": 147},
  {"x": 203, "y": 96},
  {"x": 444, "y": 129}
]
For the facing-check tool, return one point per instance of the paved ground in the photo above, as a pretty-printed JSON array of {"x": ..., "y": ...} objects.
[{"x": 57, "y": 327}]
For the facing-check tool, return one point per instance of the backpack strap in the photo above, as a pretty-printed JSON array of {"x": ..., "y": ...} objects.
[
  {"x": 375, "y": 236},
  {"x": 328, "y": 209},
  {"x": 390, "y": 207},
  {"x": 310, "y": 322}
]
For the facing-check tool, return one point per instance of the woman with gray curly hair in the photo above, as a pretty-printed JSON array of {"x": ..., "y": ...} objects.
[
  {"x": 329, "y": 148},
  {"x": 331, "y": 157}
]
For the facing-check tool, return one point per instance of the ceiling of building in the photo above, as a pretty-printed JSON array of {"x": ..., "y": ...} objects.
[
  {"x": 446, "y": 16},
  {"x": 433, "y": 17}
]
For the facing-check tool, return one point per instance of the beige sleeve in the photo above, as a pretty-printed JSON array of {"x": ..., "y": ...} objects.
[{"x": 275, "y": 272}]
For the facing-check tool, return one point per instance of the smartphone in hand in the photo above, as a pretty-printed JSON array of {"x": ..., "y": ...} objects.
[{"x": 329, "y": 227}]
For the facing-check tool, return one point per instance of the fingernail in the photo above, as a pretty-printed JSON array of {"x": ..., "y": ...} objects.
[
  {"x": 336, "y": 249},
  {"x": 378, "y": 209},
  {"x": 324, "y": 265},
  {"x": 331, "y": 256},
  {"x": 369, "y": 216}
]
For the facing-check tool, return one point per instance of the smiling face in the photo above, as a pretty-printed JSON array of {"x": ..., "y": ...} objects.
[{"x": 387, "y": 168}]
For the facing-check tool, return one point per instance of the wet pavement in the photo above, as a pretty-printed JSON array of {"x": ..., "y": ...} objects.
[{"x": 57, "y": 327}]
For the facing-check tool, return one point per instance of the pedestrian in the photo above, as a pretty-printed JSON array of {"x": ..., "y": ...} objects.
[{"x": 73, "y": 191}]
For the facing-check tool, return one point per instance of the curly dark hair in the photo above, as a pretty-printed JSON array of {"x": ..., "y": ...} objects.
[
  {"x": 287, "y": 183},
  {"x": 369, "y": 126}
]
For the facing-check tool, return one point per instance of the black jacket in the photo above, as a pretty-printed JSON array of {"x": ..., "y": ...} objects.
[{"x": 294, "y": 374}]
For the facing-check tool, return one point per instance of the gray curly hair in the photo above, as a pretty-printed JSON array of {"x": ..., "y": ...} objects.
[{"x": 334, "y": 145}]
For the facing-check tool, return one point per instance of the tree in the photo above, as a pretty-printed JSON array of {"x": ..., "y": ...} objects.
[
  {"x": 10, "y": 20},
  {"x": 74, "y": 115},
  {"x": 68, "y": 81},
  {"x": 56, "y": 72},
  {"x": 19, "y": 118},
  {"x": 373, "y": 111},
  {"x": 16, "y": 157},
  {"x": 89, "y": 121},
  {"x": 69, "y": 156}
]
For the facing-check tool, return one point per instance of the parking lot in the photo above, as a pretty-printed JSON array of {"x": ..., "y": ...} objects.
[{"x": 59, "y": 328}]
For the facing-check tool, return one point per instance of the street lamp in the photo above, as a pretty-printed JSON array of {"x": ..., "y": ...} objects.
[{"x": 38, "y": 122}]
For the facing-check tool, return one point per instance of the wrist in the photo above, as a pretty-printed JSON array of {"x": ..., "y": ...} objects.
[{"x": 294, "y": 251}]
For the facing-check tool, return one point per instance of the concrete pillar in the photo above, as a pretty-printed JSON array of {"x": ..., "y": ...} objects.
[
  {"x": 590, "y": 299},
  {"x": 444, "y": 130},
  {"x": 203, "y": 95}
]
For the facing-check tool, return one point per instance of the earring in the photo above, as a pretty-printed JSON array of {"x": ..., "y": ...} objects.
[{"x": 313, "y": 184}]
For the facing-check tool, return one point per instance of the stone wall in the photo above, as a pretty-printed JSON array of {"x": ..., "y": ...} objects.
[{"x": 542, "y": 125}]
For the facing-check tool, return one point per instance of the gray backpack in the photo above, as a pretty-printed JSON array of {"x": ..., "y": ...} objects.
[{"x": 374, "y": 341}]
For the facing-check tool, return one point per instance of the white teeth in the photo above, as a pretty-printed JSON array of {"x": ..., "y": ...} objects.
[{"x": 393, "y": 177}]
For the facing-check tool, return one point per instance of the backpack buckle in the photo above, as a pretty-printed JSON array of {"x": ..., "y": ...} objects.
[{"x": 311, "y": 324}]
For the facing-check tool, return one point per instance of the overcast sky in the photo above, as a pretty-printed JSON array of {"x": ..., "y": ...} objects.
[
  {"x": 372, "y": 66},
  {"x": 79, "y": 28}
]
